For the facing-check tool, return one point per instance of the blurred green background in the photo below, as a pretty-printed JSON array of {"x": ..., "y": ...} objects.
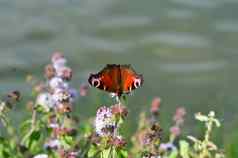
[{"x": 186, "y": 50}]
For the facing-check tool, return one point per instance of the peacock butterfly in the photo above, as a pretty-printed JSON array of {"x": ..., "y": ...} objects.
[{"x": 118, "y": 79}]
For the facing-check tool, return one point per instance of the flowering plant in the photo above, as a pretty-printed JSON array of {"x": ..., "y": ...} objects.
[
  {"x": 107, "y": 141},
  {"x": 52, "y": 131}
]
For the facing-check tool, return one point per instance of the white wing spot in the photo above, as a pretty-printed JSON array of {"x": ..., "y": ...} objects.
[
  {"x": 137, "y": 83},
  {"x": 95, "y": 82}
]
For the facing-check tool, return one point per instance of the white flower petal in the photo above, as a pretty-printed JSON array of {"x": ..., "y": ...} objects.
[
  {"x": 41, "y": 156},
  {"x": 45, "y": 100}
]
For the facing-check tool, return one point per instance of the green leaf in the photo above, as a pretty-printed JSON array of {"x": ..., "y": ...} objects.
[
  {"x": 42, "y": 109},
  {"x": 106, "y": 153},
  {"x": 92, "y": 151},
  {"x": 49, "y": 130},
  {"x": 120, "y": 121},
  {"x": 184, "y": 149},
  {"x": 173, "y": 154},
  {"x": 192, "y": 138},
  {"x": 25, "y": 126},
  {"x": 68, "y": 139},
  {"x": 5, "y": 154},
  {"x": 201, "y": 117},
  {"x": 2, "y": 140},
  {"x": 85, "y": 128},
  {"x": 122, "y": 153},
  {"x": 35, "y": 135},
  {"x": 217, "y": 122}
]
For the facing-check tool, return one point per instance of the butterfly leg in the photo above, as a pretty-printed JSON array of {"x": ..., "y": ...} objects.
[
  {"x": 117, "y": 97},
  {"x": 118, "y": 100}
]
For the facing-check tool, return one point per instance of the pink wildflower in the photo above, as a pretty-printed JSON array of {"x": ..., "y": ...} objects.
[{"x": 155, "y": 105}]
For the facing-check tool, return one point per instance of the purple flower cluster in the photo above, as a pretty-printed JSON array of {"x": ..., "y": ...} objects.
[
  {"x": 155, "y": 105},
  {"x": 175, "y": 130},
  {"x": 178, "y": 120},
  {"x": 58, "y": 94},
  {"x": 57, "y": 97},
  {"x": 104, "y": 123},
  {"x": 107, "y": 124}
]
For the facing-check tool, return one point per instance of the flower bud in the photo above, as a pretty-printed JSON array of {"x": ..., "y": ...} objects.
[
  {"x": 64, "y": 107},
  {"x": 30, "y": 105},
  {"x": 155, "y": 105},
  {"x": 65, "y": 73},
  {"x": 39, "y": 87},
  {"x": 58, "y": 60},
  {"x": 179, "y": 115},
  {"x": 83, "y": 90},
  {"x": 175, "y": 130},
  {"x": 104, "y": 123},
  {"x": 119, "y": 110},
  {"x": 119, "y": 142},
  {"x": 49, "y": 71}
]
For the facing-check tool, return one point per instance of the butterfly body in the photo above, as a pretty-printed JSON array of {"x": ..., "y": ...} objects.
[{"x": 118, "y": 79}]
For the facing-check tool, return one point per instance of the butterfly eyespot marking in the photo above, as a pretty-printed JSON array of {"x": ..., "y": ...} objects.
[
  {"x": 137, "y": 83},
  {"x": 95, "y": 82}
]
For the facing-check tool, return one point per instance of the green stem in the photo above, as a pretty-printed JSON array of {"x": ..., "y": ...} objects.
[
  {"x": 172, "y": 138},
  {"x": 85, "y": 151},
  {"x": 205, "y": 152},
  {"x": 209, "y": 129},
  {"x": 6, "y": 124},
  {"x": 111, "y": 153},
  {"x": 114, "y": 152},
  {"x": 33, "y": 126}
]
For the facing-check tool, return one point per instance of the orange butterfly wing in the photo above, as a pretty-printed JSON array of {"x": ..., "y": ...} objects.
[
  {"x": 128, "y": 79},
  {"x": 108, "y": 78}
]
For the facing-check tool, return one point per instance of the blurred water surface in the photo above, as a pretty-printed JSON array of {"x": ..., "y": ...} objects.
[{"x": 186, "y": 49}]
